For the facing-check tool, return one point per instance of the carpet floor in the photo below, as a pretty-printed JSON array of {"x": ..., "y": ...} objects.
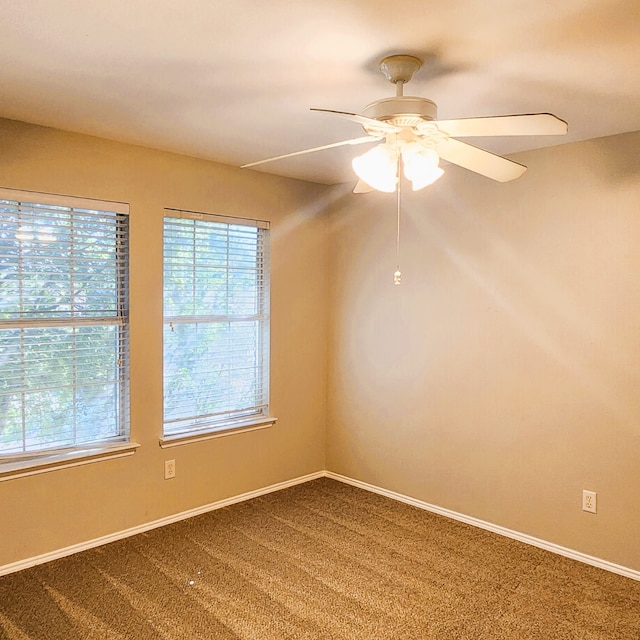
[{"x": 318, "y": 561}]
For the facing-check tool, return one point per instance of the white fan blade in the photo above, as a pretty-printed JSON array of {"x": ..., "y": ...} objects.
[
  {"x": 355, "y": 117},
  {"x": 484, "y": 162},
  {"x": 326, "y": 146},
  {"x": 535, "y": 124},
  {"x": 362, "y": 187}
]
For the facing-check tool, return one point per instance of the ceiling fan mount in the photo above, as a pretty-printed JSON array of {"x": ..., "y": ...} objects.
[
  {"x": 412, "y": 133},
  {"x": 399, "y": 68}
]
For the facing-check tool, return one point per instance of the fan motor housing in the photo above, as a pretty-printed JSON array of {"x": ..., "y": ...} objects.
[{"x": 403, "y": 111}]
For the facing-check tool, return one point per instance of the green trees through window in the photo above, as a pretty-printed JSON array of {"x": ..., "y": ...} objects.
[
  {"x": 216, "y": 331},
  {"x": 63, "y": 324}
]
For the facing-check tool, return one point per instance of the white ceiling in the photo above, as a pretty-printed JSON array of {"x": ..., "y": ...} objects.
[{"x": 233, "y": 80}]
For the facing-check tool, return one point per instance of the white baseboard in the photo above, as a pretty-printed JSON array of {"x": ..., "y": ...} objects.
[
  {"x": 503, "y": 531},
  {"x": 147, "y": 526}
]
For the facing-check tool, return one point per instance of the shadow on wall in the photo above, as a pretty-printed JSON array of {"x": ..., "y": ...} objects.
[{"x": 618, "y": 158}]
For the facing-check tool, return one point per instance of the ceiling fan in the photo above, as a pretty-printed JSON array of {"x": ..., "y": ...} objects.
[{"x": 417, "y": 140}]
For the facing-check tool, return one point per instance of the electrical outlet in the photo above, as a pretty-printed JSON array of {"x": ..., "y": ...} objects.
[
  {"x": 169, "y": 469},
  {"x": 589, "y": 501}
]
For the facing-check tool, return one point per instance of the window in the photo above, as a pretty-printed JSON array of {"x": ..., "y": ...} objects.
[
  {"x": 216, "y": 323},
  {"x": 63, "y": 325}
]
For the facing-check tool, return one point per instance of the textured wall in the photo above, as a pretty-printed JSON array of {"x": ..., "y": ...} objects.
[
  {"x": 46, "y": 512},
  {"x": 501, "y": 378}
]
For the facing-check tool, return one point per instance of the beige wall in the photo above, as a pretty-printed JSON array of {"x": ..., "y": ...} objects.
[
  {"x": 502, "y": 377},
  {"x": 499, "y": 380},
  {"x": 54, "y": 510}
]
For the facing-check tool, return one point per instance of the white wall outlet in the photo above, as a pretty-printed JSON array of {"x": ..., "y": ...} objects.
[
  {"x": 169, "y": 469},
  {"x": 589, "y": 501}
]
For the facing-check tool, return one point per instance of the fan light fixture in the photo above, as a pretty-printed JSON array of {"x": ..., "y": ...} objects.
[
  {"x": 420, "y": 165},
  {"x": 379, "y": 167}
]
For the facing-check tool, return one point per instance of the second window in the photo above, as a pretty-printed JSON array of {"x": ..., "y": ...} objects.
[{"x": 216, "y": 323}]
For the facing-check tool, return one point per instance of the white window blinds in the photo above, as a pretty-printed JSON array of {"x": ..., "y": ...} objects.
[
  {"x": 63, "y": 323},
  {"x": 216, "y": 322}
]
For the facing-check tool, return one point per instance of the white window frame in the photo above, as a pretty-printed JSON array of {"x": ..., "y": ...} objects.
[
  {"x": 47, "y": 457},
  {"x": 181, "y": 426}
]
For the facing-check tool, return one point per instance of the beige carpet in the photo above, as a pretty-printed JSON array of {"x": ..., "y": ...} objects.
[{"x": 321, "y": 560}]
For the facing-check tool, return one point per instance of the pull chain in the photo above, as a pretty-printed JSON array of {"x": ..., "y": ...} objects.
[{"x": 397, "y": 276}]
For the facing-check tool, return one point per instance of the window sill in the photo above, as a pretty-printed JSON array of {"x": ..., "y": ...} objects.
[
  {"x": 12, "y": 469},
  {"x": 219, "y": 432}
]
